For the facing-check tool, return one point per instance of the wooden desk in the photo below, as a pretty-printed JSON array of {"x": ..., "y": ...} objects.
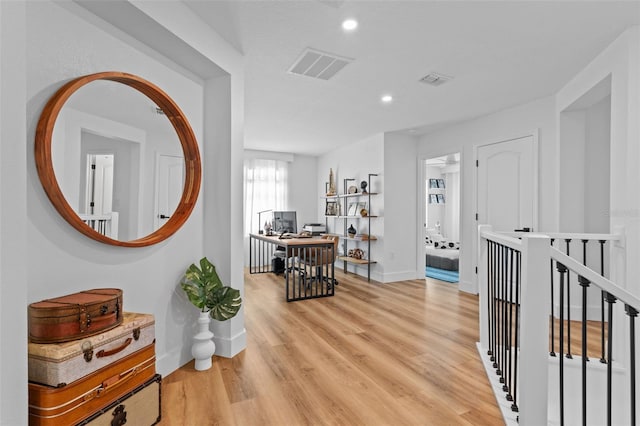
[{"x": 307, "y": 271}]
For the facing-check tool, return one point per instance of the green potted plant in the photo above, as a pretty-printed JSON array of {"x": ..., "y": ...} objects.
[{"x": 205, "y": 290}]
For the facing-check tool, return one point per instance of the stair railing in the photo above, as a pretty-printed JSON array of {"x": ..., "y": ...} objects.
[{"x": 518, "y": 320}]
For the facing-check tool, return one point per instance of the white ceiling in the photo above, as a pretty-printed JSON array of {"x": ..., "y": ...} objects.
[{"x": 500, "y": 54}]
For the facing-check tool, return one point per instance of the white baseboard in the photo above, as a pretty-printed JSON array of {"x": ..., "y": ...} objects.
[
  {"x": 467, "y": 287},
  {"x": 399, "y": 276},
  {"x": 169, "y": 362},
  {"x": 225, "y": 347},
  {"x": 361, "y": 271},
  {"x": 230, "y": 347}
]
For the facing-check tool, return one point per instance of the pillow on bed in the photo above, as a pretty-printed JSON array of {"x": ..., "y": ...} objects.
[{"x": 444, "y": 244}]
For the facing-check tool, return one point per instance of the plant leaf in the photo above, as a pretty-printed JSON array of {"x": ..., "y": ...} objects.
[{"x": 224, "y": 303}]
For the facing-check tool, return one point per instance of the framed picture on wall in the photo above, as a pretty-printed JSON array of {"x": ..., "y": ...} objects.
[
  {"x": 331, "y": 208},
  {"x": 441, "y": 183}
]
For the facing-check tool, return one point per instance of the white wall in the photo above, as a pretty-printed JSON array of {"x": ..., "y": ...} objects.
[
  {"x": 13, "y": 215},
  {"x": 303, "y": 199},
  {"x": 620, "y": 62},
  {"x": 517, "y": 121},
  {"x": 356, "y": 161},
  {"x": 400, "y": 208}
]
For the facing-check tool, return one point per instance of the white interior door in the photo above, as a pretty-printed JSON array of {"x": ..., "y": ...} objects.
[
  {"x": 100, "y": 184},
  {"x": 507, "y": 184},
  {"x": 169, "y": 187}
]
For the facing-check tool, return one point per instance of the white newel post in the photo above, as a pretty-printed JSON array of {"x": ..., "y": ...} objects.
[
  {"x": 482, "y": 287},
  {"x": 534, "y": 329}
]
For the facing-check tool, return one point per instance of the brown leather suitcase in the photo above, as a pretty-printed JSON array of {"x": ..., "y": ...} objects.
[
  {"x": 57, "y": 364},
  {"x": 140, "y": 407},
  {"x": 75, "y": 316},
  {"x": 70, "y": 404}
]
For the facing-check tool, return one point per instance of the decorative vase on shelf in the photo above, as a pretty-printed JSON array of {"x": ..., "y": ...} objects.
[
  {"x": 351, "y": 231},
  {"x": 203, "y": 347}
]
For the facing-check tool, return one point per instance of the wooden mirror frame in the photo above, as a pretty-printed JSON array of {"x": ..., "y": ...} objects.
[{"x": 44, "y": 161}]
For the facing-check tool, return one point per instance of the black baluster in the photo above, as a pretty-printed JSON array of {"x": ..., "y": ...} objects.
[
  {"x": 490, "y": 279},
  {"x": 489, "y": 297},
  {"x": 602, "y": 297},
  {"x": 503, "y": 314},
  {"x": 633, "y": 313},
  {"x": 562, "y": 270},
  {"x": 514, "y": 405},
  {"x": 498, "y": 312},
  {"x": 511, "y": 351},
  {"x": 568, "y": 241},
  {"x": 611, "y": 299},
  {"x": 584, "y": 283},
  {"x": 553, "y": 322},
  {"x": 496, "y": 271},
  {"x": 584, "y": 306}
]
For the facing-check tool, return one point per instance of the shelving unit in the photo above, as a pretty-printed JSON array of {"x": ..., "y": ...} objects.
[{"x": 342, "y": 205}]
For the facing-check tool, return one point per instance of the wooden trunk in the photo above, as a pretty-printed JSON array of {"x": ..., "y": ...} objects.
[
  {"x": 49, "y": 406},
  {"x": 60, "y": 364},
  {"x": 75, "y": 316},
  {"x": 140, "y": 407}
]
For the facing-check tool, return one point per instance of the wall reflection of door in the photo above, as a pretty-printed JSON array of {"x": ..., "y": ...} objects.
[
  {"x": 170, "y": 183},
  {"x": 99, "y": 184}
]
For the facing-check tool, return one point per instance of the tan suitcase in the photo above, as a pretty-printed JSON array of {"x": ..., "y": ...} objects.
[
  {"x": 68, "y": 405},
  {"x": 59, "y": 364},
  {"x": 140, "y": 407}
]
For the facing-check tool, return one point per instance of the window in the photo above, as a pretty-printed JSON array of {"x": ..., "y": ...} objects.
[{"x": 265, "y": 188}]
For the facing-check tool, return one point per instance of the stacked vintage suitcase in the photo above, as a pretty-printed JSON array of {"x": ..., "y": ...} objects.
[{"x": 90, "y": 363}]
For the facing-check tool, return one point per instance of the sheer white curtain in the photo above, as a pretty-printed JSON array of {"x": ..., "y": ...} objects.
[
  {"x": 265, "y": 188},
  {"x": 452, "y": 206}
]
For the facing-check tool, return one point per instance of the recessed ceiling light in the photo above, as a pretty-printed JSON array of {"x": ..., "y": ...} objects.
[
  {"x": 386, "y": 99},
  {"x": 349, "y": 24}
]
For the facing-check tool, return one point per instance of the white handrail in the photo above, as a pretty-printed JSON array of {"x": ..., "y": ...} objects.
[
  {"x": 571, "y": 236},
  {"x": 502, "y": 238},
  {"x": 595, "y": 278}
]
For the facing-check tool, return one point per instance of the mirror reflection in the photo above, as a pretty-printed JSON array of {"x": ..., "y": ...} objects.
[{"x": 118, "y": 160}]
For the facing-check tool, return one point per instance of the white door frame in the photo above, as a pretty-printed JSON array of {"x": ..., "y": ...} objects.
[
  {"x": 534, "y": 134},
  {"x": 421, "y": 209}
]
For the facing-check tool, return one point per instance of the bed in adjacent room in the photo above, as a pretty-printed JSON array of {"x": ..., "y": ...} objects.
[{"x": 442, "y": 259}]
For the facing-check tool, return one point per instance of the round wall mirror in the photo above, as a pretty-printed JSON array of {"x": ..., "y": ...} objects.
[{"x": 118, "y": 159}]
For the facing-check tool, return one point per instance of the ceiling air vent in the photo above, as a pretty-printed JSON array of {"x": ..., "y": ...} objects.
[
  {"x": 317, "y": 64},
  {"x": 435, "y": 79}
]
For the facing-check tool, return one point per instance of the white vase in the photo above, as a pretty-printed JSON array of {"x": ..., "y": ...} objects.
[{"x": 203, "y": 347}]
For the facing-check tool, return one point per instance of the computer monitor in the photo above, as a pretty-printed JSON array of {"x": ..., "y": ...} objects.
[{"x": 284, "y": 222}]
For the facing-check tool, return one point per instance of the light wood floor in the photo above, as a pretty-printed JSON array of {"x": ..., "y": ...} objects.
[{"x": 374, "y": 354}]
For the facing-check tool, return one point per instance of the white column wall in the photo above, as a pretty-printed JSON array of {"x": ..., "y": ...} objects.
[{"x": 13, "y": 216}]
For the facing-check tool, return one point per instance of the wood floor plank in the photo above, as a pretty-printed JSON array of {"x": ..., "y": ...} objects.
[{"x": 374, "y": 354}]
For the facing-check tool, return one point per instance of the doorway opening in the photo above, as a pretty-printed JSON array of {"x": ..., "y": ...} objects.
[{"x": 442, "y": 218}]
